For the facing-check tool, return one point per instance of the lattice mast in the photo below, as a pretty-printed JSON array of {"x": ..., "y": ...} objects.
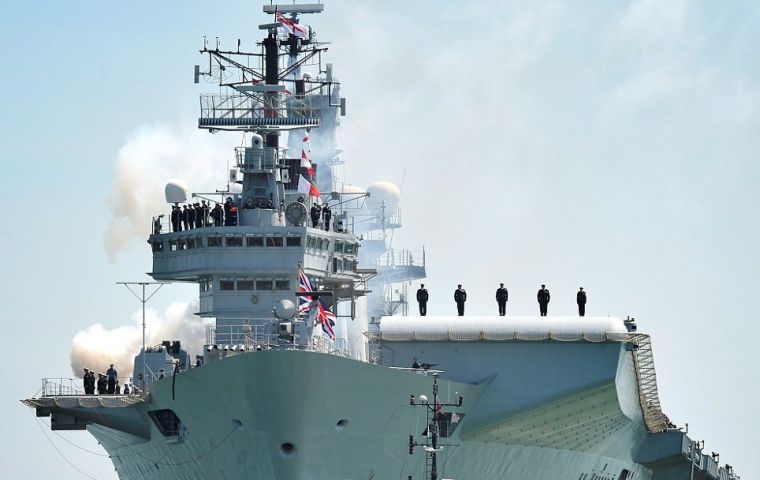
[{"x": 430, "y": 441}]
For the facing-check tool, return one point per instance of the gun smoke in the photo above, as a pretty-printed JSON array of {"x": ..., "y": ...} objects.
[
  {"x": 150, "y": 157},
  {"x": 97, "y": 347}
]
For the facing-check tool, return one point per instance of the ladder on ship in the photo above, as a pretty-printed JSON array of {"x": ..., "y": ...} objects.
[{"x": 647, "y": 380}]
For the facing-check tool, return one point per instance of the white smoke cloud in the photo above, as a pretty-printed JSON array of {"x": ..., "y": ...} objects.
[
  {"x": 97, "y": 347},
  {"x": 150, "y": 157}
]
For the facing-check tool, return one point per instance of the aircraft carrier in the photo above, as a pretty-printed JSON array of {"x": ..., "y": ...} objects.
[{"x": 306, "y": 371}]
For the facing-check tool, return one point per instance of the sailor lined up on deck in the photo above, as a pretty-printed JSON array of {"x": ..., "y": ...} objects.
[
  {"x": 112, "y": 375},
  {"x": 502, "y": 297},
  {"x": 543, "y": 298},
  {"x": 316, "y": 213},
  {"x": 422, "y": 299},
  {"x": 195, "y": 215},
  {"x": 460, "y": 296}
]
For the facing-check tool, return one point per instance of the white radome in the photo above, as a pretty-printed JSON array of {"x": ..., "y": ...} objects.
[
  {"x": 383, "y": 192},
  {"x": 175, "y": 191}
]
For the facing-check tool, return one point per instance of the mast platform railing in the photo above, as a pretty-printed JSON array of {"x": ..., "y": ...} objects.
[
  {"x": 247, "y": 110},
  {"x": 401, "y": 258}
]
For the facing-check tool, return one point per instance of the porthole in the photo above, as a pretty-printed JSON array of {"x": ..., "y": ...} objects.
[{"x": 287, "y": 449}]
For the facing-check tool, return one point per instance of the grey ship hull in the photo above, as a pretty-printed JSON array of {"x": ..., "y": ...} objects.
[{"x": 242, "y": 415}]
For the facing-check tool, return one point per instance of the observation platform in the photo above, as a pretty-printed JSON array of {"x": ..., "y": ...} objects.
[
  {"x": 70, "y": 409},
  {"x": 255, "y": 112}
]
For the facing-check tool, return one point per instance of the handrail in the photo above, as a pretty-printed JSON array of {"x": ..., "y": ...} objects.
[
  {"x": 646, "y": 376},
  {"x": 236, "y": 339}
]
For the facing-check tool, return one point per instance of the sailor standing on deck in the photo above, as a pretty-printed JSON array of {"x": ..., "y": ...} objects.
[
  {"x": 316, "y": 212},
  {"x": 102, "y": 384},
  {"x": 217, "y": 214},
  {"x": 185, "y": 218},
  {"x": 422, "y": 299},
  {"x": 502, "y": 295},
  {"x": 460, "y": 296},
  {"x": 198, "y": 215},
  {"x": 176, "y": 218},
  {"x": 327, "y": 215},
  {"x": 543, "y": 299},
  {"x": 112, "y": 376},
  {"x": 580, "y": 298}
]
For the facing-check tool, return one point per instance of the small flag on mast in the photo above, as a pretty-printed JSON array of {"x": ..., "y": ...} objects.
[{"x": 291, "y": 27}]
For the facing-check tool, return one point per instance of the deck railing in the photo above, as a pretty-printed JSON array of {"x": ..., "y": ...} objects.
[
  {"x": 56, "y": 387},
  {"x": 233, "y": 339}
]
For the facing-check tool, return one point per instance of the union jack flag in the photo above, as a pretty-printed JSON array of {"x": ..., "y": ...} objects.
[
  {"x": 325, "y": 316},
  {"x": 304, "y": 301}
]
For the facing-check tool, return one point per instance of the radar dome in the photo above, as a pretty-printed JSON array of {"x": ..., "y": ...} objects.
[
  {"x": 383, "y": 192},
  {"x": 175, "y": 191},
  {"x": 285, "y": 309}
]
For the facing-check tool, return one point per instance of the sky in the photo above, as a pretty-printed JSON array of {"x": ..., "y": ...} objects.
[{"x": 609, "y": 145}]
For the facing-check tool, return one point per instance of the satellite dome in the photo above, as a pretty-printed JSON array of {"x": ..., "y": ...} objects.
[
  {"x": 175, "y": 191},
  {"x": 383, "y": 192},
  {"x": 285, "y": 309}
]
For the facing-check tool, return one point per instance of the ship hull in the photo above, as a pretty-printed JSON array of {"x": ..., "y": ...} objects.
[{"x": 304, "y": 415}]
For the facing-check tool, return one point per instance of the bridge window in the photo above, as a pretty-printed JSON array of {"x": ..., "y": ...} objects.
[
  {"x": 252, "y": 241},
  {"x": 190, "y": 243},
  {"x": 274, "y": 241},
  {"x": 264, "y": 285},
  {"x": 167, "y": 421},
  {"x": 234, "y": 241},
  {"x": 181, "y": 244},
  {"x": 158, "y": 246},
  {"x": 311, "y": 242},
  {"x": 293, "y": 242},
  {"x": 226, "y": 285},
  {"x": 282, "y": 284},
  {"x": 245, "y": 284},
  {"x": 350, "y": 248},
  {"x": 214, "y": 241}
]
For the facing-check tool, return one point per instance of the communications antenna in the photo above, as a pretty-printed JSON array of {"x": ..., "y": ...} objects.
[
  {"x": 435, "y": 418},
  {"x": 143, "y": 299}
]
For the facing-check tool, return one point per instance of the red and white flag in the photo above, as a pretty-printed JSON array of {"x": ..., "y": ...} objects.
[
  {"x": 305, "y": 152},
  {"x": 307, "y": 187},
  {"x": 291, "y": 27}
]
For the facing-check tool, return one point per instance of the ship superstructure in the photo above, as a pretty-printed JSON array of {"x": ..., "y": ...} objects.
[{"x": 306, "y": 371}]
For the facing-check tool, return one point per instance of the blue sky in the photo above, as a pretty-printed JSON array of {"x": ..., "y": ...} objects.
[{"x": 614, "y": 145}]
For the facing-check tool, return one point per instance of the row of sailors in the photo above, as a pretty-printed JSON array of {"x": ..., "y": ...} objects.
[
  {"x": 197, "y": 215},
  {"x": 502, "y": 296},
  {"x": 106, "y": 384}
]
